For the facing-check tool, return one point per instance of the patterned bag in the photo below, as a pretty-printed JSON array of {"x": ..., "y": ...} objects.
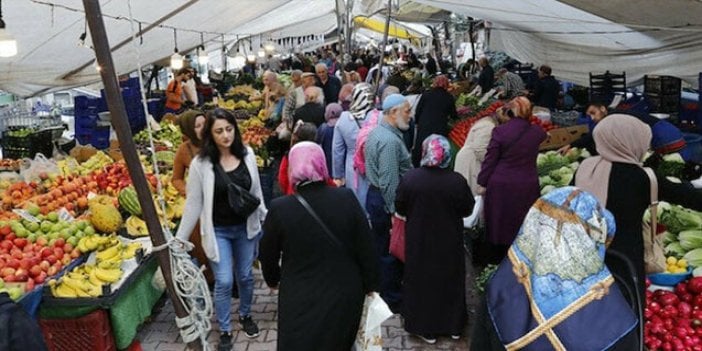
[{"x": 369, "y": 336}]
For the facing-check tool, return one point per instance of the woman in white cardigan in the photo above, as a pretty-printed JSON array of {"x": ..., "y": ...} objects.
[{"x": 229, "y": 239}]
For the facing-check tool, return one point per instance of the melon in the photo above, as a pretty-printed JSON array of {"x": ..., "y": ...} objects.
[
  {"x": 129, "y": 202},
  {"x": 105, "y": 218}
]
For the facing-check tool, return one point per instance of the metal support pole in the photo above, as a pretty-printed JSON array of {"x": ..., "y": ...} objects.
[
  {"x": 124, "y": 135},
  {"x": 382, "y": 50}
]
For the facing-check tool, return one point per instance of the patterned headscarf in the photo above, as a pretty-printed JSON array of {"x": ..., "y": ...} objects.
[
  {"x": 361, "y": 101},
  {"x": 436, "y": 152},
  {"x": 440, "y": 82},
  {"x": 306, "y": 163},
  {"x": 521, "y": 107},
  {"x": 553, "y": 288}
]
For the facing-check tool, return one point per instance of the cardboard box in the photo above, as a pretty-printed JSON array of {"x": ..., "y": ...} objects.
[{"x": 563, "y": 136}]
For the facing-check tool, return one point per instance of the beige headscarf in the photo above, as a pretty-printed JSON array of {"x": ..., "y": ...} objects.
[{"x": 618, "y": 138}]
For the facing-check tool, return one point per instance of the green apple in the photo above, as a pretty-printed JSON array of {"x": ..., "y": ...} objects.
[
  {"x": 53, "y": 216},
  {"x": 71, "y": 229},
  {"x": 16, "y": 226},
  {"x": 56, "y": 228},
  {"x": 52, "y": 241},
  {"x": 73, "y": 241},
  {"x": 33, "y": 209},
  {"x": 33, "y": 227},
  {"x": 82, "y": 225},
  {"x": 3, "y": 223},
  {"x": 15, "y": 293},
  {"x": 32, "y": 238},
  {"x": 79, "y": 234},
  {"x": 54, "y": 235},
  {"x": 46, "y": 226},
  {"x": 22, "y": 233},
  {"x": 89, "y": 230},
  {"x": 64, "y": 233},
  {"x": 40, "y": 217}
]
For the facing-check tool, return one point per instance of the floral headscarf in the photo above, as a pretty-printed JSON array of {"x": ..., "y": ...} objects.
[
  {"x": 436, "y": 152},
  {"x": 306, "y": 163},
  {"x": 553, "y": 288},
  {"x": 361, "y": 101}
]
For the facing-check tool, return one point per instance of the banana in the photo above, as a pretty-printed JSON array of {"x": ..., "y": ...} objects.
[
  {"x": 94, "y": 280},
  {"x": 130, "y": 251},
  {"x": 79, "y": 286},
  {"x": 61, "y": 290},
  {"x": 111, "y": 264},
  {"x": 91, "y": 242},
  {"x": 108, "y": 275},
  {"x": 107, "y": 254}
]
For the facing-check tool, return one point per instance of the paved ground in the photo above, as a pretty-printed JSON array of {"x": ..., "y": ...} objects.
[{"x": 161, "y": 333}]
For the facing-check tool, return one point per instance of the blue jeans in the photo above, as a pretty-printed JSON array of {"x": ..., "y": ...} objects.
[
  {"x": 234, "y": 249},
  {"x": 391, "y": 269}
]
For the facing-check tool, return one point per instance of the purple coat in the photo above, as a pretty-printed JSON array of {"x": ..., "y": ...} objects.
[{"x": 510, "y": 177}]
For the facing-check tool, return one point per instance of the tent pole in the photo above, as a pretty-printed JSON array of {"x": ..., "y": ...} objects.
[
  {"x": 382, "y": 50},
  {"x": 124, "y": 134},
  {"x": 342, "y": 40}
]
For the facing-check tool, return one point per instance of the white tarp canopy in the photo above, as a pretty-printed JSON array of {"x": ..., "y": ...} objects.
[
  {"x": 47, "y": 33},
  {"x": 577, "y": 37}
]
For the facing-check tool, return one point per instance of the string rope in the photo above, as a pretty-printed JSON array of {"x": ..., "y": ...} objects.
[{"x": 188, "y": 280}]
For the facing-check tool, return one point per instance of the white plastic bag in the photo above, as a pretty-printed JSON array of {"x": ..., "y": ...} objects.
[
  {"x": 375, "y": 312},
  {"x": 37, "y": 167},
  {"x": 474, "y": 219}
]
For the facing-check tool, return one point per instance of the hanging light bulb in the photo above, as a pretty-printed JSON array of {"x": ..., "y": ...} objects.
[
  {"x": 8, "y": 44},
  {"x": 176, "y": 58},
  {"x": 202, "y": 57},
  {"x": 251, "y": 58}
]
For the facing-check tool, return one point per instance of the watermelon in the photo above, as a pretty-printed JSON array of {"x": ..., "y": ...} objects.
[{"x": 129, "y": 202}]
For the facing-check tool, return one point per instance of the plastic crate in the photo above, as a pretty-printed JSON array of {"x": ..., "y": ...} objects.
[
  {"x": 664, "y": 103},
  {"x": 42, "y": 142},
  {"x": 100, "y": 138},
  {"x": 664, "y": 85},
  {"x": 90, "y": 332}
]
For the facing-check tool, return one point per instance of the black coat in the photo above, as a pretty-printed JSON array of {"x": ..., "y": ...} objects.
[
  {"x": 18, "y": 331},
  {"x": 309, "y": 113},
  {"x": 322, "y": 288},
  {"x": 434, "y": 109},
  {"x": 486, "y": 79},
  {"x": 331, "y": 89},
  {"x": 546, "y": 92}
]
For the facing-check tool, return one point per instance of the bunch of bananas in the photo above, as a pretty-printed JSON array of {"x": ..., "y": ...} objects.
[
  {"x": 92, "y": 242},
  {"x": 87, "y": 280},
  {"x": 136, "y": 226},
  {"x": 97, "y": 161}
]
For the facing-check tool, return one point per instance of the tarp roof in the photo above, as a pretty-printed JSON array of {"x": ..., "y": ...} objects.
[
  {"x": 576, "y": 37},
  {"x": 47, "y": 33}
]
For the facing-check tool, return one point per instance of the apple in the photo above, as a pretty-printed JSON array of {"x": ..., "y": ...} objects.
[
  {"x": 7, "y": 244},
  {"x": 68, "y": 247},
  {"x": 10, "y": 279},
  {"x": 53, "y": 236},
  {"x": 30, "y": 285},
  {"x": 89, "y": 230},
  {"x": 7, "y": 271},
  {"x": 73, "y": 241},
  {"x": 32, "y": 238},
  {"x": 25, "y": 264},
  {"x": 22, "y": 233},
  {"x": 33, "y": 209},
  {"x": 21, "y": 275},
  {"x": 60, "y": 242},
  {"x": 65, "y": 234},
  {"x": 58, "y": 252},
  {"x": 52, "y": 271},
  {"x": 21, "y": 242},
  {"x": 5, "y": 230},
  {"x": 46, "y": 252},
  {"x": 57, "y": 227},
  {"x": 51, "y": 258},
  {"x": 44, "y": 265},
  {"x": 13, "y": 263},
  {"x": 75, "y": 253},
  {"x": 40, "y": 278},
  {"x": 11, "y": 236},
  {"x": 66, "y": 260},
  {"x": 46, "y": 226},
  {"x": 35, "y": 271},
  {"x": 33, "y": 227},
  {"x": 17, "y": 253},
  {"x": 41, "y": 241}
]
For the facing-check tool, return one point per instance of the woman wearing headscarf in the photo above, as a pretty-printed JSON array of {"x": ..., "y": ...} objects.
[
  {"x": 344, "y": 142},
  {"x": 325, "y": 132},
  {"x": 619, "y": 182},
  {"x": 554, "y": 291},
  {"x": 433, "y": 111},
  {"x": 508, "y": 178},
  {"x": 322, "y": 280},
  {"x": 470, "y": 157},
  {"x": 191, "y": 124},
  {"x": 434, "y": 199}
]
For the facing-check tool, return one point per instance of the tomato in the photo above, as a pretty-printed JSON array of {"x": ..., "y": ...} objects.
[{"x": 694, "y": 286}]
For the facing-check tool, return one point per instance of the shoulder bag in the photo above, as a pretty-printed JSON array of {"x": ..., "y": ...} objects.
[
  {"x": 241, "y": 200},
  {"x": 334, "y": 240},
  {"x": 654, "y": 253}
]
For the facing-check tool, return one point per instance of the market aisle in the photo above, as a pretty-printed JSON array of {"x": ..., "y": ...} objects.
[{"x": 162, "y": 335}]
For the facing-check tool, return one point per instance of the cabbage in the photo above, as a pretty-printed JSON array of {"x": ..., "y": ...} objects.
[
  {"x": 690, "y": 239},
  {"x": 674, "y": 249},
  {"x": 678, "y": 219},
  {"x": 694, "y": 257}
]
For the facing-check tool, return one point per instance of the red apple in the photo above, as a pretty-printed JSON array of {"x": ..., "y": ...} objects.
[
  {"x": 30, "y": 285},
  {"x": 40, "y": 278},
  {"x": 25, "y": 263},
  {"x": 17, "y": 253},
  {"x": 66, "y": 259},
  {"x": 35, "y": 271},
  {"x": 67, "y": 247},
  {"x": 13, "y": 263},
  {"x": 74, "y": 254},
  {"x": 5, "y": 230},
  {"x": 58, "y": 252},
  {"x": 21, "y": 275},
  {"x": 10, "y": 279},
  {"x": 11, "y": 237},
  {"x": 6, "y": 245},
  {"x": 7, "y": 271},
  {"x": 52, "y": 259},
  {"x": 41, "y": 241},
  {"x": 44, "y": 265},
  {"x": 21, "y": 242},
  {"x": 59, "y": 242},
  {"x": 46, "y": 252}
]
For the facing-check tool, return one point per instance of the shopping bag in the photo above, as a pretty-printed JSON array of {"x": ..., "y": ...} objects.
[
  {"x": 369, "y": 336},
  {"x": 397, "y": 237},
  {"x": 473, "y": 220}
]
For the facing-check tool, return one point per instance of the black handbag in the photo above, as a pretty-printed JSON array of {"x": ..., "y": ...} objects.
[{"x": 240, "y": 200}]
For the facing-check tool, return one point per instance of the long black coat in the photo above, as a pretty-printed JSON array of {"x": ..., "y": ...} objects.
[
  {"x": 322, "y": 288},
  {"x": 434, "y": 109},
  {"x": 434, "y": 298}
]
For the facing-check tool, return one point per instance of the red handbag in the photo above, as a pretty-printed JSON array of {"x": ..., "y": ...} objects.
[{"x": 397, "y": 237}]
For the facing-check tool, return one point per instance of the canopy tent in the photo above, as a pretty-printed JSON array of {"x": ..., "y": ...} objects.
[
  {"x": 577, "y": 37},
  {"x": 47, "y": 32},
  {"x": 396, "y": 29}
]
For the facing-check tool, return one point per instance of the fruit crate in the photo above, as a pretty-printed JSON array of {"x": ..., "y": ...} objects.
[
  {"x": 664, "y": 85},
  {"x": 90, "y": 332}
]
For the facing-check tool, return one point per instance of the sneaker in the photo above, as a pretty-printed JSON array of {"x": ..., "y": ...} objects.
[
  {"x": 456, "y": 337},
  {"x": 249, "y": 326},
  {"x": 225, "y": 342},
  {"x": 429, "y": 339}
]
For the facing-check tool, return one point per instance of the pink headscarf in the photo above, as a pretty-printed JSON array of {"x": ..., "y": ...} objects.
[
  {"x": 306, "y": 163},
  {"x": 441, "y": 82}
]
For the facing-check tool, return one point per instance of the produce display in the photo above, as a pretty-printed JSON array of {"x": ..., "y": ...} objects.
[
  {"x": 556, "y": 170},
  {"x": 674, "y": 318},
  {"x": 683, "y": 236}
]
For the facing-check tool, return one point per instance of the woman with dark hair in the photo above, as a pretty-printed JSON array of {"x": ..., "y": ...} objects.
[
  {"x": 328, "y": 263},
  {"x": 433, "y": 111},
  {"x": 508, "y": 177},
  {"x": 229, "y": 238}
]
